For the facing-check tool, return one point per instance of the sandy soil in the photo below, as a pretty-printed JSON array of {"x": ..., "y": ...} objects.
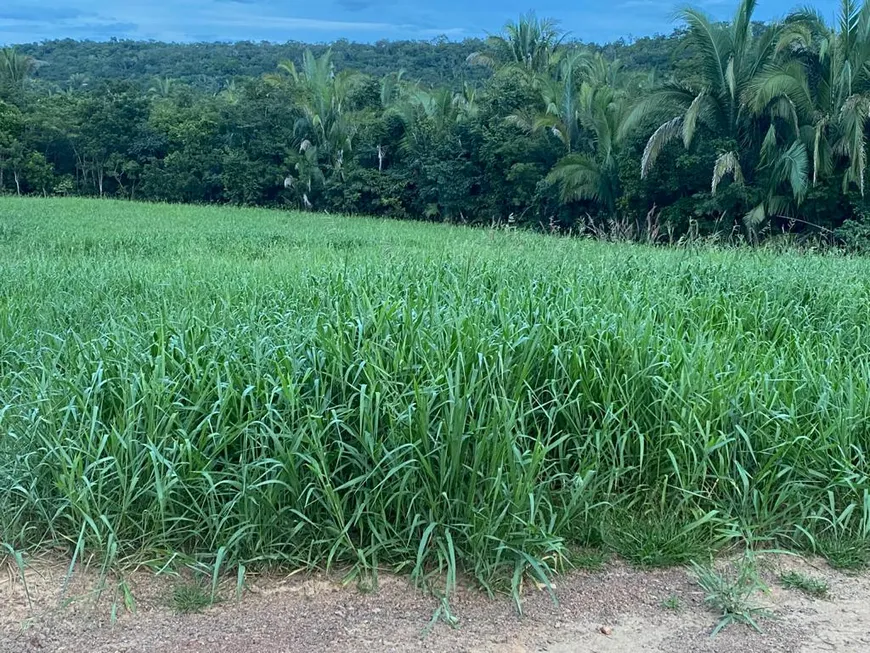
[{"x": 616, "y": 610}]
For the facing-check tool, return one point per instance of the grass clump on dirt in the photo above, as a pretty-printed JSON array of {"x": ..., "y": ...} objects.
[
  {"x": 814, "y": 587},
  {"x": 238, "y": 387},
  {"x": 673, "y": 603},
  {"x": 732, "y": 593},
  {"x": 190, "y": 596}
]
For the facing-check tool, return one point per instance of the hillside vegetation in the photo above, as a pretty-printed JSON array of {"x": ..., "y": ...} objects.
[{"x": 743, "y": 129}]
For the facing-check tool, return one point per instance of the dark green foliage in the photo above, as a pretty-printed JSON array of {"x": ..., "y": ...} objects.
[
  {"x": 209, "y": 66},
  {"x": 855, "y": 234},
  {"x": 845, "y": 551},
  {"x": 740, "y": 130},
  {"x": 658, "y": 540}
]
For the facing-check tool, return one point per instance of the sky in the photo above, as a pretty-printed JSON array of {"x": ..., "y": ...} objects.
[{"x": 23, "y": 21}]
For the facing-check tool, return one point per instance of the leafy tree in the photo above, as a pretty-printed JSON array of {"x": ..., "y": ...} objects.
[
  {"x": 38, "y": 173},
  {"x": 11, "y": 130}
]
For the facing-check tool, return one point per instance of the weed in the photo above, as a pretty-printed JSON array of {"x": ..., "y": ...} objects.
[
  {"x": 732, "y": 594},
  {"x": 10, "y": 555},
  {"x": 442, "y": 613},
  {"x": 190, "y": 596},
  {"x": 815, "y": 587},
  {"x": 673, "y": 603}
]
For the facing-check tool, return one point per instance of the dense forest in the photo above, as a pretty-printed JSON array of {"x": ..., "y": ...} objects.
[{"x": 741, "y": 129}]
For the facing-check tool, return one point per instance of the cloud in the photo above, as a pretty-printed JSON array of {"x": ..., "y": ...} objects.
[
  {"x": 108, "y": 29},
  {"x": 40, "y": 14},
  {"x": 327, "y": 20}
]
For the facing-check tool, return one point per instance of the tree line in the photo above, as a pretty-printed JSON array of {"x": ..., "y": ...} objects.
[{"x": 738, "y": 128}]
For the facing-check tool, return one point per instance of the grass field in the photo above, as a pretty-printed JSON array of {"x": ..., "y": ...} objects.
[{"x": 240, "y": 387}]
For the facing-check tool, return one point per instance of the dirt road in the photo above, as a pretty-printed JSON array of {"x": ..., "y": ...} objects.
[{"x": 615, "y": 610}]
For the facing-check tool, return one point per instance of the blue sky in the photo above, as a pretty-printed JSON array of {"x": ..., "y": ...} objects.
[{"x": 327, "y": 20}]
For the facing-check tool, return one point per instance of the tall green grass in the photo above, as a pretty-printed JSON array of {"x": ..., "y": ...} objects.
[{"x": 243, "y": 387}]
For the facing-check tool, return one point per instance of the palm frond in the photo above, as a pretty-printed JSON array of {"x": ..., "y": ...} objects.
[
  {"x": 779, "y": 205},
  {"x": 726, "y": 164},
  {"x": 742, "y": 25},
  {"x": 690, "y": 120},
  {"x": 791, "y": 167},
  {"x": 782, "y": 80},
  {"x": 768, "y": 145},
  {"x": 524, "y": 119},
  {"x": 755, "y": 218},
  {"x": 580, "y": 176},
  {"x": 480, "y": 59},
  {"x": 656, "y": 143},
  {"x": 783, "y": 108},
  {"x": 712, "y": 43},
  {"x": 662, "y": 103},
  {"x": 852, "y": 143},
  {"x": 794, "y": 36}
]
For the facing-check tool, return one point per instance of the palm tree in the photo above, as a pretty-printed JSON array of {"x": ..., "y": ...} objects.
[
  {"x": 228, "y": 92},
  {"x": 566, "y": 97},
  {"x": 582, "y": 106},
  {"x": 466, "y": 101},
  {"x": 733, "y": 58},
  {"x": 559, "y": 112},
  {"x": 594, "y": 174},
  {"x": 600, "y": 71},
  {"x": 391, "y": 87},
  {"x": 162, "y": 87},
  {"x": 15, "y": 68},
  {"x": 76, "y": 82},
  {"x": 436, "y": 111},
  {"x": 822, "y": 79},
  {"x": 308, "y": 172},
  {"x": 324, "y": 129},
  {"x": 430, "y": 119},
  {"x": 530, "y": 44},
  {"x": 561, "y": 116}
]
